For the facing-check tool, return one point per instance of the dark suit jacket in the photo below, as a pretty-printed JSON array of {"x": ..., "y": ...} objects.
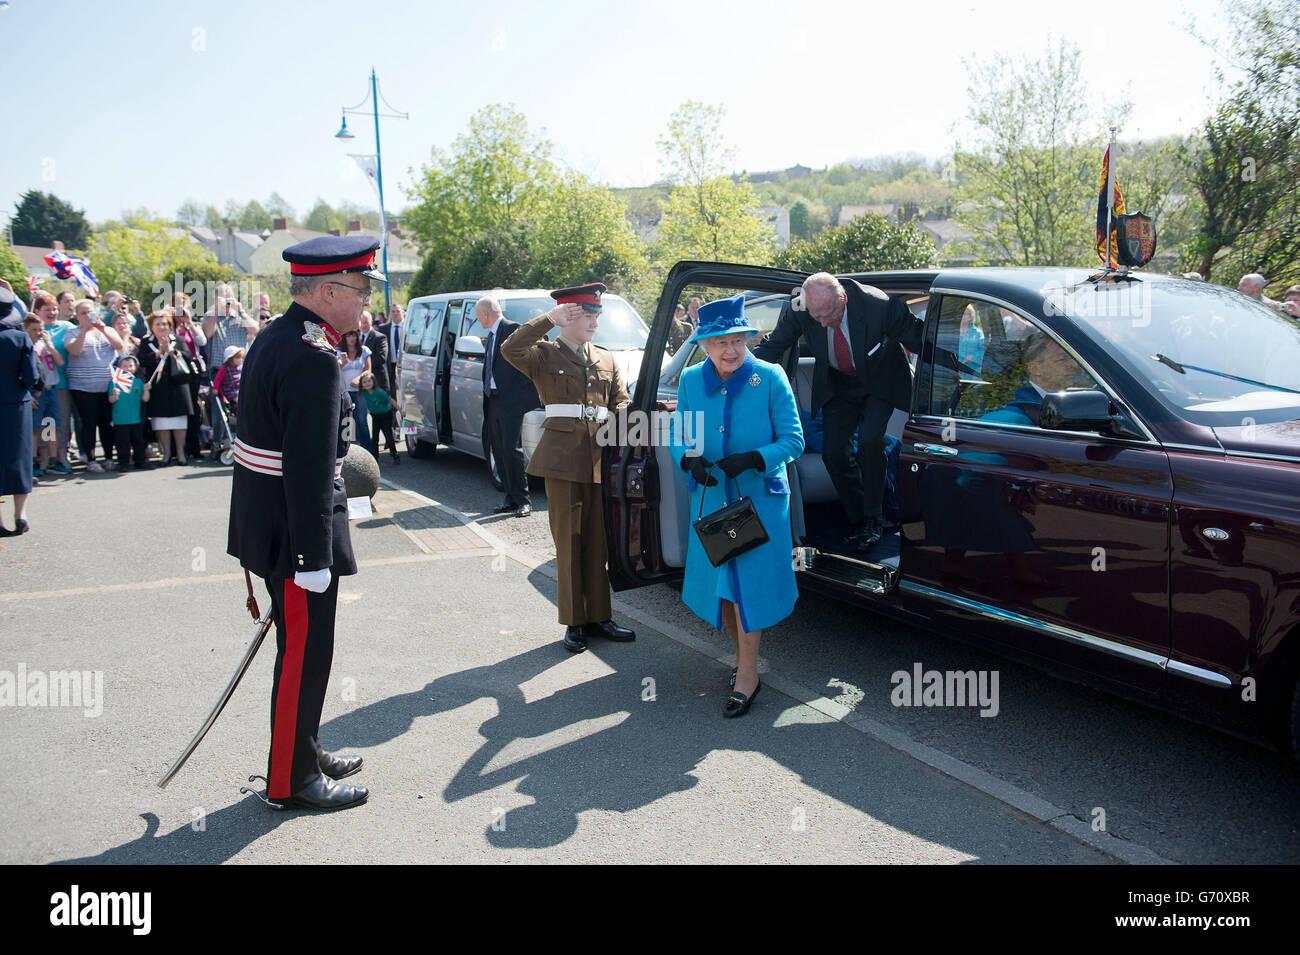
[
  {"x": 17, "y": 362},
  {"x": 389, "y": 384},
  {"x": 515, "y": 391},
  {"x": 874, "y": 319},
  {"x": 379, "y": 363}
]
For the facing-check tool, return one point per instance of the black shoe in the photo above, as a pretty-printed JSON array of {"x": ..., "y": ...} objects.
[
  {"x": 337, "y": 767},
  {"x": 610, "y": 631},
  {"x": 325, "y": 795},
  {"x": 869, "y": 536},
  {"x": 738, "y": 704},
  {"x": 575, "y": 639},
  {"x": 524, "y": 510},
  {"x": 504, "y": 508},
  {"x": 21, "y": 527}
]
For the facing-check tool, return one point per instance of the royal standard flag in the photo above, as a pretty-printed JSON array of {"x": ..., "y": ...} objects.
[{"x": 1109, "y": 189}]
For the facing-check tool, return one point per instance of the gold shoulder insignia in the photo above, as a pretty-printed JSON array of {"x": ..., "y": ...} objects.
[{"x": 314, "y": 336}]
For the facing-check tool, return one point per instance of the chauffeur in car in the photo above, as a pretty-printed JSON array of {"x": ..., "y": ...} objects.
[{"x": 580, "y": 385}]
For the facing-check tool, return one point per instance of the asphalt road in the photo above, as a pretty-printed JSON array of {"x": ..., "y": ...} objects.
[{"x": 486, "y": 742}]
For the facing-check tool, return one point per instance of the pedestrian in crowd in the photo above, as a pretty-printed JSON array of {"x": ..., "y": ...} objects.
[
  {"x": 168, "y": 368},
  {"x": 380, "y": 404},
  {"x": 123, "y": 325},
  {"x": 125, "y": 394},
  {"x": 90, "y": 358},
  {"x": 856, "y": 334},
  {"x": 1253, "y": 285},
  {"x": 289, "y": 510},
  {"x": 681, "y": 330},
  {"x": 1291, "y": 301},
  {"x": 261, "y": 310},
  {"x": 139, "y": 321},
  {"x": 379, "y": 353},
  {"x": 581, "y": 386},
  {"x": 228, "y": 375},
  {"x": 45, "y": 407},
  {"x": 354, "y": 361},
  {"x": 507, "y": 396},
  {"x": 192, "y": 337},
  {"x": 17, "y": 379},
  {"x": 224, "y": 325},
  {"x": 392, "y": 332},
  {"x": 750, "y": 432},
  {"x": 58, "y": 326}
]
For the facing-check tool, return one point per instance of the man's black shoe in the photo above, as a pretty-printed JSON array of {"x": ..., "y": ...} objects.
[
  {"x": 337, "y": 767},
  {"x": 869, "y": 535},
  {"x": 504, "y": 508},
  {"x": 575, "y": 639},
  {"x": 610, "y": 631},
  {"x": 325, "y": 795},
  {"x": 524, "y": 510}
]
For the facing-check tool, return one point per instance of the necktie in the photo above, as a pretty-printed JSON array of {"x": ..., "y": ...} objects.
[
  {"x": 487, "y": 364},
  {"x": 843, "y": 357}
]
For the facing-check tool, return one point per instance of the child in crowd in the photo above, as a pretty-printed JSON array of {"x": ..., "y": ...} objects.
[
  {"x": 45, "y": 401},
  {"x": 381, "y": 410},
  {"x": 125, "y": 394},
  {"x": 227, "y": 380}
]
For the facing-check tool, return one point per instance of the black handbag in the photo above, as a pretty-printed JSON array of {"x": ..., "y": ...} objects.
[{"x": 731, "y": 531}]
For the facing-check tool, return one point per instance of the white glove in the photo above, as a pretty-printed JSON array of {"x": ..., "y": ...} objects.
[{"x": 317, "y": 581}]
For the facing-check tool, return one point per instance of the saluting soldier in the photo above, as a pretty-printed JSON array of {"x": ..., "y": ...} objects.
[
  {"x": 580, "y": 386},
  {"x": 288, "y": 508}
]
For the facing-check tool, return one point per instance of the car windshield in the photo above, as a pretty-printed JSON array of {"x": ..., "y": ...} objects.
[
  {"x": 1209, "y": 351},
  {"x": 620, "y": 326}
]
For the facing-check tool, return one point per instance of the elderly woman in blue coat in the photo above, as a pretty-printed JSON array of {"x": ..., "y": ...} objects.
[{"x": 745, "y": 426}]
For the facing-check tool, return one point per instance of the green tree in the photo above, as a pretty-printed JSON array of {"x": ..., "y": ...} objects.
[
  {"x": 13, "y": 271},
  {"x": 190, "y": 213},
  {"x": 708, "y": 215},
  {"x": 1247, "y": 167},
  {"x": 133, "y": 260},
  {"x": 321, "y": 218},
  {"x": 581, "y": 235},
  {"x": 491, "y": 182},
  {"x": 212, "y": 218},
  {"x": 254, "y": 217},
  {"x": 800, "y": 221},
  {"x": 43, "y": 218},
  {"x": 1027, "y": 187},
  {"x": 497, "y": 259},
  {"x": 866, "y": 244},
  {"x": 279, "y": 207}
]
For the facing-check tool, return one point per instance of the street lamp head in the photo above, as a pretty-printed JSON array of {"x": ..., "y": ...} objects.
[{"x": 343, "y": 131}]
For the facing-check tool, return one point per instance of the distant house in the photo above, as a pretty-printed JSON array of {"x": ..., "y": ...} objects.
[
  {"x": 231, "y": 246},
  {"x": 33, "y": 257},
  {"x": 254, "y": 254},
  {"x": 778, "y": 220},
  {"x": 944, "y": 232},
  {"x": 849, "y": 213}
]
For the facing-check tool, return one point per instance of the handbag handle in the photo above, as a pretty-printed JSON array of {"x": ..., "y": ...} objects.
[{"x": 704, "y": 488}]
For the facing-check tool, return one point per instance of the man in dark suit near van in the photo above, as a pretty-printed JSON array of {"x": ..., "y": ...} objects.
[
  {"x": 856, "y": 334},
  {"x": 392, "y": 332},
  {"x": 507, "y": 395}
]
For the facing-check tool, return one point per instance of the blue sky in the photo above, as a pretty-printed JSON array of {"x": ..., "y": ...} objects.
[{"x": 147, "y": 104}]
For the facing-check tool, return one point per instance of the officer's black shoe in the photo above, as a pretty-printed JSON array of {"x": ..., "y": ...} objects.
[
  {"x": 524, "y": 510},
  {"x": 610, "y": 631},
  {"x": 505, "y": 508},
  {"x": 575, "y": 639},
  {"x": 325, "y": 795},
  {"x": 337, "y": 767}
]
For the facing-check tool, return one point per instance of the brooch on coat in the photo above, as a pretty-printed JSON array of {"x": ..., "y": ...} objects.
[
  {"x": 754, "y": 380},
  {"x": 314, "y": 335}
]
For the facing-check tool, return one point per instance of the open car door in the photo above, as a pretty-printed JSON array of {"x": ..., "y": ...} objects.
[{"x": 645, "y": 493}]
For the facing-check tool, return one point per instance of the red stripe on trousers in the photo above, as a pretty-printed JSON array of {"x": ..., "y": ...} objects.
[{"x": 284, "y": 734}]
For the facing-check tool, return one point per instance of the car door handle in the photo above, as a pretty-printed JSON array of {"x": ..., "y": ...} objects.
[{"x": 937, "y": 449}]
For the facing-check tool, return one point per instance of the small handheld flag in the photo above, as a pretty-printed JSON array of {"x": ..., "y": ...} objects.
[
  {"x": 34, "y": 283},
  {"x": 124, "y": 380}
]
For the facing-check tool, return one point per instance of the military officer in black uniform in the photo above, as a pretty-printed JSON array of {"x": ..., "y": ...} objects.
[{"x": 288, "y": 509}]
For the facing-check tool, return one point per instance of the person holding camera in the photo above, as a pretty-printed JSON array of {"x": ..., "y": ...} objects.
[
  {"x": 168, "y": 369},
  {"x": 90, "y": 358},
  {"x": 192, "y": 337}
]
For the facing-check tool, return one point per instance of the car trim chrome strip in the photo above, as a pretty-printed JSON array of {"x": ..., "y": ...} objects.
[
  {"x": 1222, "y": 452},
  {"x": 1029, "y": 428},
  {"x": 1105, "y": 385},
  {"x": 1200, "y": 674}
]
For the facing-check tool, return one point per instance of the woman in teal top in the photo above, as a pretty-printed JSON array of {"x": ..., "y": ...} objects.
[{"x": 749, "y": 426}]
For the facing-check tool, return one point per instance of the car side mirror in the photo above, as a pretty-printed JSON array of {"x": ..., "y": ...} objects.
[
  {"x": 467, "y": 346},
  {"x": 1084, "y": 410}
]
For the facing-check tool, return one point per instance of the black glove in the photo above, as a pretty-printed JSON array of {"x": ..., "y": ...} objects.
[
  {"x": 698, "y": 468},
  {"x": 735, "y": 464}
]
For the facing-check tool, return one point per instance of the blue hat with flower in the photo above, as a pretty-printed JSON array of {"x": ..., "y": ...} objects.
[{"x": 726, "y": 316}]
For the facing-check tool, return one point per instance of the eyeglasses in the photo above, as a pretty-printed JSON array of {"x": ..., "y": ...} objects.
[{"x": 365, "y": 293}]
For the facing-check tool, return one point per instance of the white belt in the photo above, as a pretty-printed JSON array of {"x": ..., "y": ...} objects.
[
  {"x": 262, "y": 461},
  {"x": 590, "y": 412}
]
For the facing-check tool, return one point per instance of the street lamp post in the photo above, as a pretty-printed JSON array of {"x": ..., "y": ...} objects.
[{"x": 343, "y": 133}]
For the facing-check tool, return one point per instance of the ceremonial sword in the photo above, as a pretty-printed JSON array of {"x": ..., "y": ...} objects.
[{"x": 263, "y": 625}]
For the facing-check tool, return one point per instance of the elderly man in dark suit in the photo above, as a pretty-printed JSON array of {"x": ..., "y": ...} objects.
[
  {"x": 507, "y": 395},
  {"x": 856, "y": 334}
]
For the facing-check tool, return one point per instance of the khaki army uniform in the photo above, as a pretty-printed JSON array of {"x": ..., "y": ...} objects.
[{"x": 568, "y": 457}]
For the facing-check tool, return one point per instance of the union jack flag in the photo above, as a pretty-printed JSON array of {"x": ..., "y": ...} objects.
[
  {"x": 123, "y": 379},
  {"x": 34, "y": 283},
  {"x": 73, "y": 267}
]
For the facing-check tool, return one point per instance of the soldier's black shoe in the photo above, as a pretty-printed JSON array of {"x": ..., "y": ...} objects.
[
  {"x": 524, "y": 510},
  {"x": 575, "y": 639},
  {"x": 610, "y": 631},
  {"x": 337, "y": 767},
  {"x": 325, "y": 795}
]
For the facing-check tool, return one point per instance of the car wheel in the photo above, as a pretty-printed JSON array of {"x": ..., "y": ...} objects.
[
  {"x": 494, "y": 472},
  {"x": 419, "y": 449}
]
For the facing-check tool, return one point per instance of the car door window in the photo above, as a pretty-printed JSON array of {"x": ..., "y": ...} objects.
[
  {"x": 994, "y": 365},
  {"x": 429, "y": 338},
  {"x": 414, "y": 330}
]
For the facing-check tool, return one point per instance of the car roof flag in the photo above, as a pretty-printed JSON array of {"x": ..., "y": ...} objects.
[{"x": 1110, "y": 203}]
